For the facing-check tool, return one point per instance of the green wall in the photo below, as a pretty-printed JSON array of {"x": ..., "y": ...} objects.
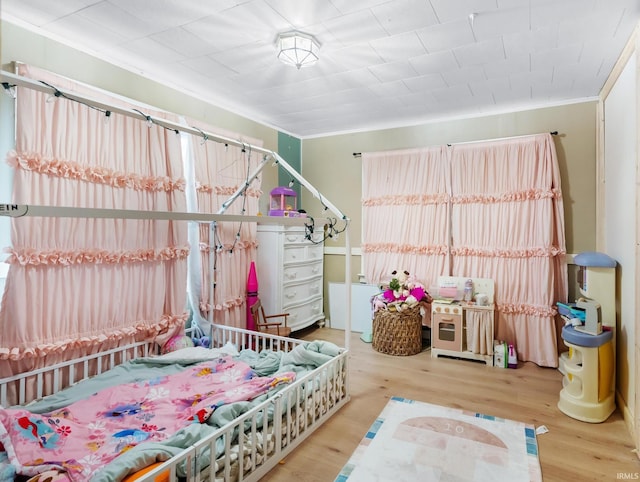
[{"x": 290, "y": 149}]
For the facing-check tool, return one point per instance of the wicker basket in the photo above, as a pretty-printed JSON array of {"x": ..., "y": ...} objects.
[{"x": 398, "y": 333}]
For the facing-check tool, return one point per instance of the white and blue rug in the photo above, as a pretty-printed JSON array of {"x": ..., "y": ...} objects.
[{"x": 416, "y": 441}]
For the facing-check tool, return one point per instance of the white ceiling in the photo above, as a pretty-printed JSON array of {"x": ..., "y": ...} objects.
[{"x": 383, "y": 63}]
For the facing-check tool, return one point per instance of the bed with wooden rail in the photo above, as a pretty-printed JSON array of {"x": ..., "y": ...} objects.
[{"x": 306, "y": 382}]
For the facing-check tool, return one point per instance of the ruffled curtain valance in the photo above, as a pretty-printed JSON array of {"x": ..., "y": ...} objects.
[
  {"x": 33, "y": 257},
  {"x": 99, "y": 175}
]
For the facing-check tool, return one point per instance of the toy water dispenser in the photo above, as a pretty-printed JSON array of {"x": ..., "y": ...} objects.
[{"x": 588, "y": 392}]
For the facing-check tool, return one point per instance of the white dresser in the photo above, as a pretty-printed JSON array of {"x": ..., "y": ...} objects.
[{"x": 290, "y": 273}]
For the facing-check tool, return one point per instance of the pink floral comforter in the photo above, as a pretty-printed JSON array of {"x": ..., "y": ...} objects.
[{"x": 86, "y": 435}]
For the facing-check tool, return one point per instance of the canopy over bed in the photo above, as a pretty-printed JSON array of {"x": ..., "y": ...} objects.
[{"x": 9, "y": 80}]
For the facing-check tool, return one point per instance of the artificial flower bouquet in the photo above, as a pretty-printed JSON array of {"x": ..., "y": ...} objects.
[{"x": 402, "y": 292}]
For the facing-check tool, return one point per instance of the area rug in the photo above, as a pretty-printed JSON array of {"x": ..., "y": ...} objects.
[{"x": 417, "y": 441}]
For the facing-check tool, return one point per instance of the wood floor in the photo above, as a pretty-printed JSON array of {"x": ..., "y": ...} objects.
[{"x": 570, "y": 451}]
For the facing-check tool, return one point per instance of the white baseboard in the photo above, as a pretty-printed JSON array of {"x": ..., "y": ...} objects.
[{"x": 627, "y": 416}]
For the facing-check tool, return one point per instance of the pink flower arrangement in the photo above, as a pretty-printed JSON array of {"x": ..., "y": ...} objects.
[{"x": 402, "y": 292}]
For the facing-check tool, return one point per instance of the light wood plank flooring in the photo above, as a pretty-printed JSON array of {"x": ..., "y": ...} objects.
[{"x": 570, "y": 451}]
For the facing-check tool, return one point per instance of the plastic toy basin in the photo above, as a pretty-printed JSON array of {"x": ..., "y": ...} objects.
[{"x": 578, "y": 338}]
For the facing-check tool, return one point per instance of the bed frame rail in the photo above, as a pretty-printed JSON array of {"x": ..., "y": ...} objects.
[
  {"x": 253, "y": 443},
  {"x": 245, "y": 339},
  {"x": 264, "y": 439},
  {"x": 247, "y": 447},
  {"x": 25, "y": 387}
]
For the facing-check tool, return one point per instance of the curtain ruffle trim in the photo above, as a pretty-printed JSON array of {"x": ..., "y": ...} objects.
[
  {"x": 226, "y": 190},
  {"x": 403, "y": 248},
  {"x": 529, "y": 195},
  {"x": 443, "y": 198},
  {"x": 524, "y": 309},
  {"x": 97, "y": 175},
  {"x": 32, "y": 257},
  {"x": 146, "y": 330},
  {"x": 204, "y": 248},
  {"x": 549, "y": 252},
  {"x": 407, "y": 200},
  {"x": 226, "y": 306}
]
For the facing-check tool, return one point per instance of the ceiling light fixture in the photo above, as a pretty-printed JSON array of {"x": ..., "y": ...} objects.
[{"x": 297, "y": 48}]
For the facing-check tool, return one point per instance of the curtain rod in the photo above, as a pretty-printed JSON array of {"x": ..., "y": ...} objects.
[{"x": 553, "y": 133}]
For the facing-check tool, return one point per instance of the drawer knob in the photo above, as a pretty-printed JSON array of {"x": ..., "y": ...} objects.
[{"x": 291, "y": 295}]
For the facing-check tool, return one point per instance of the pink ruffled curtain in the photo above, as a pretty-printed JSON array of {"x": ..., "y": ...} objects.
[
  {"x": 79, "y": 285},
  {"x": 219, "y": 171},
  {"x": 494, "y": 209},
  {"x": 405, "y": 213},
  {"x": 508, "y": 225}
]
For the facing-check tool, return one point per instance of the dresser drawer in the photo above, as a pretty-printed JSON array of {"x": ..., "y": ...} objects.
[
  {"x": 301, "y": 316},
  {"x": 296, "y": 237},
  {"x": 293, "y": 273},
  {"x": 295, "y": 293},
  {"x": 301, "y": 253},
  {"x": 295, "y": 254}
]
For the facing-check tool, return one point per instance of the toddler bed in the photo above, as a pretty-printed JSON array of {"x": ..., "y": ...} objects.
[{"x": 228, "y": 413}]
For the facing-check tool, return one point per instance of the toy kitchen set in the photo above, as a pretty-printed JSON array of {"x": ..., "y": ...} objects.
[
  {"x": 462, "y": 318},
  {"x": 588, "y": 385}
]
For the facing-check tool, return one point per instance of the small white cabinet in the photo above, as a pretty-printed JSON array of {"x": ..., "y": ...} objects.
[{"x": 290, "y": 273}]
